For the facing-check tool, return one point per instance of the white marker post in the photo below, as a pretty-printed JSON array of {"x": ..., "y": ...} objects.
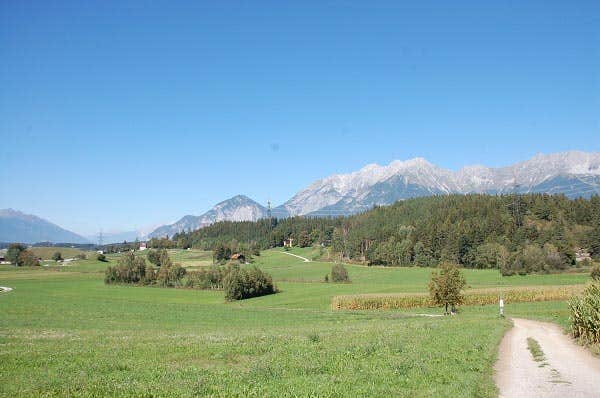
[{"x": 501, "y": 305}]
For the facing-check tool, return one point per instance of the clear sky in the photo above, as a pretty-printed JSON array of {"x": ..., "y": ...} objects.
[{"x": 118, "y": 115}]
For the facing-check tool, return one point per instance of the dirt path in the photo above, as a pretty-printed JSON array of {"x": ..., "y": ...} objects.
[
  {"x": 566, "y": 371},
  {"x": 295, "y": 255}
]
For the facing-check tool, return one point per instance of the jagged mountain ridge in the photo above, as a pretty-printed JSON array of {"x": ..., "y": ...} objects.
[
  {"x": 16, "y": 226},
  {"x": 238, "y": 208},
  {"x": 572, "y": 173}
]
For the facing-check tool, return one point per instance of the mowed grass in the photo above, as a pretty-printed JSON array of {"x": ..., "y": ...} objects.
[{"x": 64, "y": 333}]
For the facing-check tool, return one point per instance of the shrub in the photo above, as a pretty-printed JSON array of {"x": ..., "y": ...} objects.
[
  {"x": 339, "y": 273},
  {"x": 153, "y": 257},
  {"x": 81, "y": 256},
  {"x": 585, "y": 314},
  {"x": 150, "y": 277},
  {"x": 211, "y": 278},
  {"x": 170, "y": 275},
  {"x": 57, "y": 256},
  {"x": 240, "y": 284},
  {"x": 101, "y": 257},
  {"x": 595, "y": 273},
  {"x": 129, "y": 269},
  {"x": 27, "y": 259}
]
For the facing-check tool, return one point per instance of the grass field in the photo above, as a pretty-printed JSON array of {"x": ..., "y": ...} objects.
[{"x": 64, "y": 333}]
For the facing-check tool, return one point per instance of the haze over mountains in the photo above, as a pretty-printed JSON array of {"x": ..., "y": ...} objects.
[
  {"x": 573, "y": 173},
  {"x": 16, "y": 226}
]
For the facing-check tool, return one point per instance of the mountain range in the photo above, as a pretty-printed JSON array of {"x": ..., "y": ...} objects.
[
  {"x": 573, "y": 173},
  {"x": 238, "y": 208}
]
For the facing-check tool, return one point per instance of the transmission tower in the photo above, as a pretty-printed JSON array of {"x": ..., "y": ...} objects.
[{"x": 100, "y": 241}]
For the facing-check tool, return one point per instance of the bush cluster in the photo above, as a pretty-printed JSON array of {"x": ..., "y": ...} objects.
[
  {"x": 245, "y": 283},
  {"x": 238, "y": 283},
  {"x": 28, "y": 259},
  {"x": 129, "y": 269},
  {"x": 537, "y": 259},
  {"x": 20, "y": 256},
  {"x": 211, "y": 278},
  {"x": 585, "y": 314},
  {"x": 132, "y": 269}
]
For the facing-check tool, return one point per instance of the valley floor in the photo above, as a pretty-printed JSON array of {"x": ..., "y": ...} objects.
[{"x": 63, "y": 332}]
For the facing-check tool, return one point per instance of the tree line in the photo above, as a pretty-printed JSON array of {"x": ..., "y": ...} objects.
[{"x": 514, "y": 233}]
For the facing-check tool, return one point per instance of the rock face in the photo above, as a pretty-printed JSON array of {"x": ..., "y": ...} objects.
[
  {"x": 238, "y": 208},
  {"x": 16, "y": 226},
  {"x": 574, "y": 173}
]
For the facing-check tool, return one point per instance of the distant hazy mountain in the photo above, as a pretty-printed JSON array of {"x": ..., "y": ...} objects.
[
  {"x": 571, "y": 173},
  {"x": 238, "y": 208},
  {"x": 26, "y": 228}
]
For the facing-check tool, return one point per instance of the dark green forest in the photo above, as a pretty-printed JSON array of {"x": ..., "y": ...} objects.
[{"x": 515, "y": 233}]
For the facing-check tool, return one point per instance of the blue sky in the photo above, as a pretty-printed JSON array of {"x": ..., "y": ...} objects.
[{"x": 118, "y": 115}]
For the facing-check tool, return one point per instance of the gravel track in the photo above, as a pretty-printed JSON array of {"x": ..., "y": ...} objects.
[{"x": 566, "y": 371}]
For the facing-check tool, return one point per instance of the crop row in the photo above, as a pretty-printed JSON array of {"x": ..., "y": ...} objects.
[{"x": 471, "y": 297}]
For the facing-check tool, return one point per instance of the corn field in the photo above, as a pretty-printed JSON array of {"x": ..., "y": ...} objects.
[
  {"x": 585, "y": 315},
  {"x": 472, "y": 297}
]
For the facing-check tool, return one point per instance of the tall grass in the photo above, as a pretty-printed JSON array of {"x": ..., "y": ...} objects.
[{"x": 472, "y": 297}]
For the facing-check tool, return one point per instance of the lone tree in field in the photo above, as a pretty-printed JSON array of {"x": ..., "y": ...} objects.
[
  {"x": 13, "y": 253},
  {"x": 446, "y": 285},
  {"x": 57, "y": 257}
]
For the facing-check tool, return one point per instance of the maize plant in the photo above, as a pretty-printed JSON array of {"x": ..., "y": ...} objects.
[
  {"x": 471, "y": 297},
  {"x": 585, "y": 314}
]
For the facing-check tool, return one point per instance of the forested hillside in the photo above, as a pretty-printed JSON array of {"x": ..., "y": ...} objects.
[{"x": 517, "y": 233}]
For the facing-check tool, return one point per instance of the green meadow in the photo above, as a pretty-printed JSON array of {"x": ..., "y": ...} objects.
[{"x": 63, "y": 332}]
